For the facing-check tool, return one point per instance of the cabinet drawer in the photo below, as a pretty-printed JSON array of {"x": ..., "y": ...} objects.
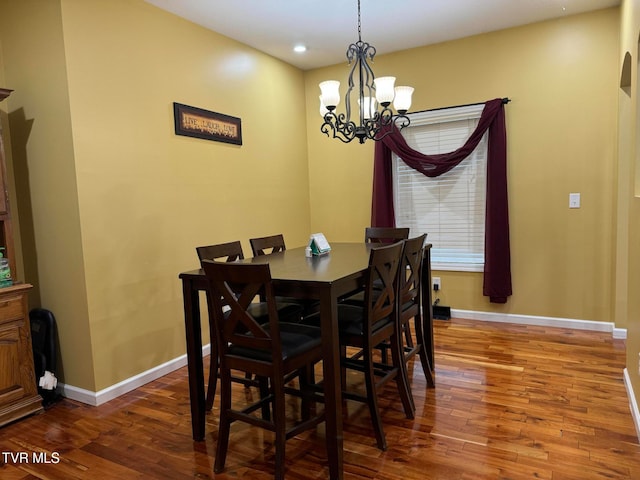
[{"x": 10, "y": 309}]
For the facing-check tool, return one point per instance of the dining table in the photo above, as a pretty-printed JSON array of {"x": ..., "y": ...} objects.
[{"x": 327, "y": 278}]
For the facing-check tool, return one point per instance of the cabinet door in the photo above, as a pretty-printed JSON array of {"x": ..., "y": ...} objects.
[
  {"x": 16, "y": 381},
  {"x": 18, "y": 389}
]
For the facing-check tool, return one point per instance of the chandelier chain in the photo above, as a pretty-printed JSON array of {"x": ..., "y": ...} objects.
[{"x": 359, "y": 24}]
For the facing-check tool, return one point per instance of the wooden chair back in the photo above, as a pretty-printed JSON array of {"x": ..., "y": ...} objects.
[
  {"x": 385, "y": 234},
  {"x": 236, "y": 286},
  {"x": 230, "y": 251},
  {"x": 381, "y": 284},
  {"x": 410, "y": 273},
  {"x": 267, "y": 245}
]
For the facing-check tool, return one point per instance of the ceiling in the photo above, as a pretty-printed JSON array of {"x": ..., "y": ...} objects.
[{"x": 327, "y": 27}]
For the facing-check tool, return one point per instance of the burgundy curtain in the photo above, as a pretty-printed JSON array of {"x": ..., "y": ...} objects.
[{"x": 497, "y": 266}]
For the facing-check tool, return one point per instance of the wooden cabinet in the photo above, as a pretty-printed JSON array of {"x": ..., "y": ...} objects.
[{"x": 18, "y": 389}]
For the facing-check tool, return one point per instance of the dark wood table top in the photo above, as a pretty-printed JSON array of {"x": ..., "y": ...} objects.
[{"x": 342, "y": 261}]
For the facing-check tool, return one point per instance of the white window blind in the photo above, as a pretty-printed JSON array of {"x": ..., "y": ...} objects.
[{"x": 449, "y": 208}]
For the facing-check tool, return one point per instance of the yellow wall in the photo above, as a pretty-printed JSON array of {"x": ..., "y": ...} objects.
[
  {"x": 561, "y": 127},
  {"x": 42, "y": 149},
  {"x": 629, "y": 197},
  {"x": 144, "y": 197}
]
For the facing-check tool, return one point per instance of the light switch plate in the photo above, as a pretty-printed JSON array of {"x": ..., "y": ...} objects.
[{"x": 574, "y": 200}]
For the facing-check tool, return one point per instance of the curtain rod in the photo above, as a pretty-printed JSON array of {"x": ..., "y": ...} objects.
[{"x": 505, "y": 100}]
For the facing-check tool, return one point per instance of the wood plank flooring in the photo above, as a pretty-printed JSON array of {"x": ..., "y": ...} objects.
[{"x": 511, "y": 402}]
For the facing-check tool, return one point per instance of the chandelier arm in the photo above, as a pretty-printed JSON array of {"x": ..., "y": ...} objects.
[
  {"x": 401, "y": 121},
  {"x": 371, "y": 128},
  {"x": 389, "y": 124},
  {"x": 386, "y": 117},
  {"x": 336, "y": 126}
]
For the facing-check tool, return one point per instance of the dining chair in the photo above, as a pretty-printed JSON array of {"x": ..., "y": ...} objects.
[
  {"x": 271, "y": 350},
  {"x": 410, "y": 304},
  {"x": 292, "y": 312},
  {"x": 274, "y": 244},
  {"x": 410, "y": 295},
  {"x": 266, "y": 245},
  {"x": 366, "y": 326}
]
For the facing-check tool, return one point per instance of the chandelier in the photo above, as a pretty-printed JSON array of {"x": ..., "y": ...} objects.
[{"x": 374, "y": 123}]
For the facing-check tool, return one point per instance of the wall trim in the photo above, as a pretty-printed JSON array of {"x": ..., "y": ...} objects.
[
  {"x": 618, "y": 333},
  {"x": 633, "y": 405},
  {"x": 98, "y": 398}
]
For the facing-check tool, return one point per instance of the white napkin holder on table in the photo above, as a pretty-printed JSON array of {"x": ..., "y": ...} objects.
[{"x": 319, "y": 245}]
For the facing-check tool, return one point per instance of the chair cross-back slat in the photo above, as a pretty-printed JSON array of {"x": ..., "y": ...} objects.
[
  {"x": 411, "y": 265},
  {"x": 261, "y": 245},
  {"x": 237, "y": 286},
  {"x": 380, "y": 296},
  {"x": 240, "y": 326}
]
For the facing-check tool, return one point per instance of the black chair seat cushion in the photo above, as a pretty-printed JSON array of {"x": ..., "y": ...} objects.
[
  {"x": 357, "y": 299},
  {"x": 349, "y": 320},
  {"x": 295, "y": 338}
]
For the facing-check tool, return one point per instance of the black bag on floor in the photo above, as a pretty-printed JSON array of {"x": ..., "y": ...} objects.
[{"x": 43, "y": 340}]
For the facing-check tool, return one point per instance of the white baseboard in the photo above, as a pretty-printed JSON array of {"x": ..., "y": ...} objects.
[
  {"x": 114, "y": 391},
  {"x": 620, "y": 333},
  {"x": 633, "y": 405}
]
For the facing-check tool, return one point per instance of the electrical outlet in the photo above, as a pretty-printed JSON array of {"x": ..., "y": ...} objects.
[{"x": 436, "y": 283}]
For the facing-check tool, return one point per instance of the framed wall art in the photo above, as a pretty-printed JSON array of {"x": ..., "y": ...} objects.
[{"x": 199, "y": 123}]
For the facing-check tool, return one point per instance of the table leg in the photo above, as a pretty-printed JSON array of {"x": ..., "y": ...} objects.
[
  {"x": 332, "y": 382},
  {"x": 191, "y": 301}
]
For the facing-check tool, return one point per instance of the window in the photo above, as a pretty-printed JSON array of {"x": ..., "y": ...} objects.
[{"x": 451, "y": 207}]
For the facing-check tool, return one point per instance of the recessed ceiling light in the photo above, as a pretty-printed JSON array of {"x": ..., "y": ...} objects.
[{"x": 299, "y": 49}]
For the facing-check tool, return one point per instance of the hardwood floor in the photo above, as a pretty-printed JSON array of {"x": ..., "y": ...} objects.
[{"x": 511, "y": 402}]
